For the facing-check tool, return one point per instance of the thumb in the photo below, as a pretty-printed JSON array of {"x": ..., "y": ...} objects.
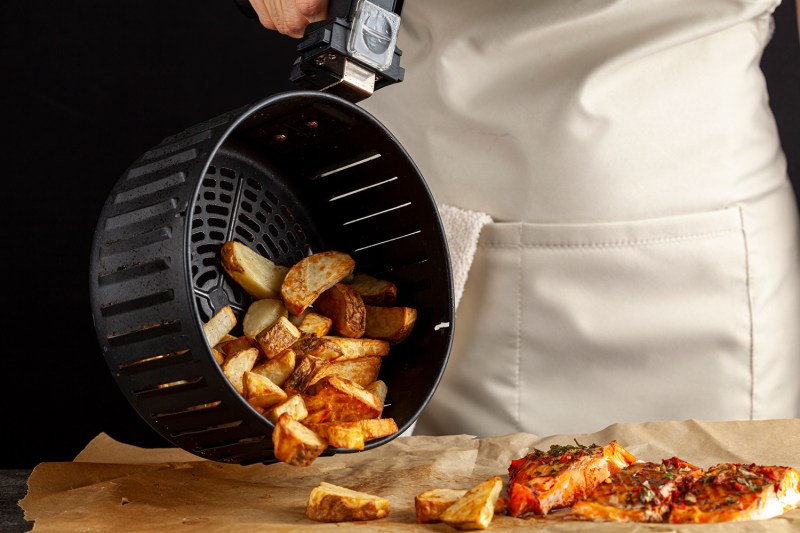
[{"x": 313, "y": 10}]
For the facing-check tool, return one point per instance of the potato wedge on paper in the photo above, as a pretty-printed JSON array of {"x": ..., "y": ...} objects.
[
  {"x": 295, "y": 444},
  {"x": 430, "y": 505},
  {"x": 475, "y": 509},
  {"x": 256, "y": 274},
  {"x": 345, "y": 308},
  {"x": 332, "y": 503},
  {"x": 313, "y": 275}
]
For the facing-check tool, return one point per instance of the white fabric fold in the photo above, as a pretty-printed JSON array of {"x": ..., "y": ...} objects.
[{"x": 462, "y": 228}]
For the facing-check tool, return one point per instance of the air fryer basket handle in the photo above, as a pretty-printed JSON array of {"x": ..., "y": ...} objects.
[
  {"x": 337, "y": 8},
  {"x": 352, "y": 53}
]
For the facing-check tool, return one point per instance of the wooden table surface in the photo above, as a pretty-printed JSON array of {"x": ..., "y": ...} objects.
[{"x": 13, "y": 487}]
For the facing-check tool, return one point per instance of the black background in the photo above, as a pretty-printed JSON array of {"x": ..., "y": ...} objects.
[{"x": 87, "y": 88}]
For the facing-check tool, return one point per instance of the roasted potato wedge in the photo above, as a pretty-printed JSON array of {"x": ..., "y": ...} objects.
[
  {"x": 475, "y": 509},
  {"x": 276, "y": 338},
  {"x": 430, "y": 505},
  {"x": 236, "y": 345},
  {"x": 354, "y": 348},
  {"x": 347, "y": 401},
  {"x": 260, "y": 391},
  {"x": 294, "y": 406},
  {"x": 237, "y": 364},
  {"x": 332, "y": 503},
  {"x": 306, "y": 369},
  {"x": 279, "y": 368},
  {"x": 219, "y": 325},
  {"x": 362, "y": 370},
  {"x": 256, "y": 274},
  {"x": 393, "y": 324},
  {"x": 345, "y": 308},
  {"x": 313, "y": 275},
  {"x": 294, "y": 443},
  {"x": 374, "y": 291},
  {"x": 318, "y": 347},
  {"x": 379, "y": 389},
  {"x": 315, "y": 324},
  {"x": 340, "y": 434},
  {"x": 377, "y": 428},
  {"x": 262, "y": 314}
]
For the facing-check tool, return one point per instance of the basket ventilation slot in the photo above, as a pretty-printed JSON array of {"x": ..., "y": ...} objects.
[
  {"x": 144, "y": 334},
  {"x": 163, "y": 184},
  {"x": 135, "y": 304},
  {"x": 135, "y": 272}
]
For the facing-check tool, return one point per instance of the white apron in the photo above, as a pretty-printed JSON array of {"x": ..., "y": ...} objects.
[{"x": 643, "y": 263}]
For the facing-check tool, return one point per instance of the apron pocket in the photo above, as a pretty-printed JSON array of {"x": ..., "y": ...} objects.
[{"x": 569, "y": 328}]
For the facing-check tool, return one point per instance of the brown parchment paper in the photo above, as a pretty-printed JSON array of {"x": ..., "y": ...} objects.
[{"x": 115, "y": 487}]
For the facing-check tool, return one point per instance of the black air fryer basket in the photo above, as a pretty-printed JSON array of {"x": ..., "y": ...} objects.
[{"x": 297, "y": 173}]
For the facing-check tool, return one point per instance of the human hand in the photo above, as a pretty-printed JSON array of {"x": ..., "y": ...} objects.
[{"x": 290, "y": 17}]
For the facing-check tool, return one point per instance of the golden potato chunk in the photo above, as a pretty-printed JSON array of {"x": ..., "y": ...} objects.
[
  {"x": 379, "y": 389},
  {"x": 354, "y": 348},
  {"x": 304, "y": 373},
  {"x": 430, "y": 505},
  {"x": 257, "y": 275},
  {"x": 277, "y": 337},
  {"x": 332, "y": 503},
  {"x": 362, "y": 370},
  {"x": 294, "y": 406},
  {"x": 345, "y": 308},
  {"x": 219, "y": 325},
  {"x": 260, "y": 391},
  {"x": 377, "y": 428},
  {"x": 315, "y": 324},
  {"x": 475, "y": 509},
  {"x": 374, "y": 291},
  {"x": 347, "y": 401},
  {"x": 294, "y": 443},
  {"x": 261, "y": 314},
  {"x": 313, "y": 275},
  {"x": 393, "y": 324},
  {"x": 237, "y": 364},
  {"x": 278, "y": 368},
  {"x": 340, "y": 434}
]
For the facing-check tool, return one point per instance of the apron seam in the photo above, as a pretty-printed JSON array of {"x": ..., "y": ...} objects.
[
  {"x": 518, "y": 377},
  {"x": 612, "y": 244},
  {"x": 749, "y": 291}
]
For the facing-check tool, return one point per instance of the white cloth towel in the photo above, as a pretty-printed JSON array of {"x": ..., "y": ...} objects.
[{"x": 462, "y": 228}]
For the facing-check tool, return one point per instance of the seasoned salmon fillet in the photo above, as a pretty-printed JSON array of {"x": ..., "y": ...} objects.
[
  {"x": 732, "y": 492},
  {"x": 546, "y": 480},
  {"x": 641, "y": 492}
]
